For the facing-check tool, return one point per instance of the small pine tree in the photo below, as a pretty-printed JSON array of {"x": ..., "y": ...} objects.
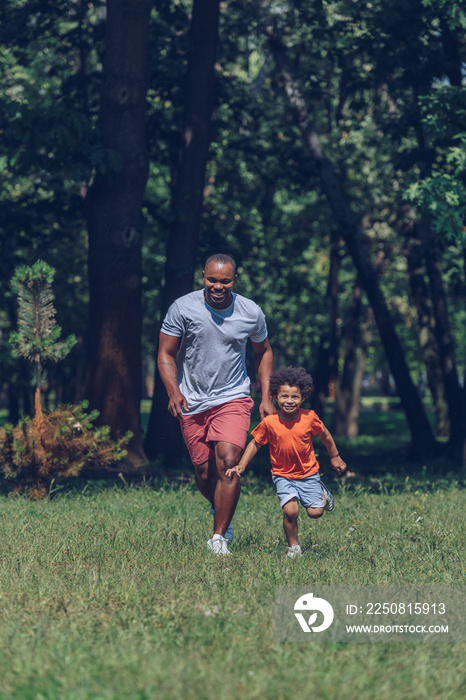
[
  {"x": 67, "y": 441},
  {"x": 61, "y": 443},
  {"x": 38, "y": 335}
]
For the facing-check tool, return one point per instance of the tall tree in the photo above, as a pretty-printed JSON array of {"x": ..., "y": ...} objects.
[
  {"x": 49, "y": 65},
  {"x": 426, "y": 323},
  {"x": 115, "y": 226},
  {"x": 187, "y": 197},
  {"x": 421, "y": 431}
]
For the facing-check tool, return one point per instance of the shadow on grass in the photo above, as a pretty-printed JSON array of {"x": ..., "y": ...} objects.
[{"x": 378, "y": 460}]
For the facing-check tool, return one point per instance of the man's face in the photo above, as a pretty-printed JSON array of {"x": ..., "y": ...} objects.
[{"x": 219, "y": 279}]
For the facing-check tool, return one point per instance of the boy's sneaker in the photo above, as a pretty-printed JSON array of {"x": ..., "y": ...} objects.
[
  {"x": 229, "y": 532},
  {"x": 294, "y": 551},
  {"x": 329, "y": 500},
  {"x": 218, "y": 545}
]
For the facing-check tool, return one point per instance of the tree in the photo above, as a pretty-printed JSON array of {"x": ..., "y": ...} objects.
[
  {"x": 38, "y": 335},
  {"x": 188, "y": 183},
  {"x": 49, "y": 63},
  {"x": 421, "y": 432},
  {"x": 34, "y": 452},
  {"x": 115, "y": 227}
]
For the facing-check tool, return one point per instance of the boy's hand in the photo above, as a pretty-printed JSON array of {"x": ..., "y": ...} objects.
[
  {"x": 338, "y": 464},
  {"x": 234, "y": 470}
]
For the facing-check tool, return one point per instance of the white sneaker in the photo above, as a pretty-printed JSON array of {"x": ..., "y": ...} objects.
[
  {"x": 218, "y": 545},
  {"x": 229, "y": 532},
  {"x": 294, "y": 551},
  {"x": 329, "y": 500}
]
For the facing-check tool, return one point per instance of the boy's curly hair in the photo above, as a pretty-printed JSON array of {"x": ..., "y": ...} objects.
[{"x": 293, "y": 376}]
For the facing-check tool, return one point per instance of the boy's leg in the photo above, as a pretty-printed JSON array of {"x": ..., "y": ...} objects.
[
  {"x": 311, "y": 495},
  {"x": 290, "y": 521},
  {"x": 314, "y": 512}
]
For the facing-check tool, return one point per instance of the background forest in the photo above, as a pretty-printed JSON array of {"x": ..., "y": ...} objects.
[{"x": 322, "y": 144}]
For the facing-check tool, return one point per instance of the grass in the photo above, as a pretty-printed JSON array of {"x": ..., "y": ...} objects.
[{"x": 107, "y": 590}]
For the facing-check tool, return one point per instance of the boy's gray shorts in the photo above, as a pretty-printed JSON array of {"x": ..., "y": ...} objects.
[{"x": 308, "y": 491}]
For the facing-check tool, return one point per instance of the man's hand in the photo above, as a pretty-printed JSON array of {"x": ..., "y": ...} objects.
[
  {"x": 175, "y": 403},
  {"x": 266, "y": 408}
]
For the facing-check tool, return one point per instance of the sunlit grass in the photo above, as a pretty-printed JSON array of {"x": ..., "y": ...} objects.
[
  {"x": 107, "y": 589},
  {"x": 109, "y": 592}
]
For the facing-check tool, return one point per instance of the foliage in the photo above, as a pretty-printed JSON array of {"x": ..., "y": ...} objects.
[
  {"x": 37, "y": 338},
  {"x": 31, "y": 457},
  {"x": 381, "y": 82},
  {"x": 443, "y": 198},
  {"x": 50, "y": 53}
]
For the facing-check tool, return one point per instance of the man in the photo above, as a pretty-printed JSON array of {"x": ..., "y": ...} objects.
[{"x": 201, "y": 361}]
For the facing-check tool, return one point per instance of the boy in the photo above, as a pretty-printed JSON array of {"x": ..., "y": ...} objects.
[{"x": 295, "y": 470}]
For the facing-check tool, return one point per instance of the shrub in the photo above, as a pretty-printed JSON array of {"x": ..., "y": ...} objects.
[
  {"x": 60, "y": 443},
  {"x": 31, "y": 456}
]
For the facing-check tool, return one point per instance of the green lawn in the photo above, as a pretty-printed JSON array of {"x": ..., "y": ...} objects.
[{"x": 108, "y": 591}]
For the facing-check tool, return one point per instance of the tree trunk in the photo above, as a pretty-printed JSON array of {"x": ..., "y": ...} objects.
[
  {"x": 326, "y": 371},
  {"x": 348, "y": 390},
  {"x": 427, "y": 341},
  {"x": 453, "y": 391},
  {"x": 114, "y": 219},
  {"x": 422, "y": 437},
  {"x": 463, "y": 462},
  {"x": 163, "y": 433}
]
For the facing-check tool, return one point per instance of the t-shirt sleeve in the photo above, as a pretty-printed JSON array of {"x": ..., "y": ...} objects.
[
  {"x": 260, "y": 330},
  {"x": 173, "y": 322},
  {"x": 261, "y": 433},
  {"x": 316, "y": 424}
]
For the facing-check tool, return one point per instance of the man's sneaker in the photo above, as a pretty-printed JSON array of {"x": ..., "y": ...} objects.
[
  {"x": 294, "y": 551},
  {"x": 329, "y": 500},
  {"x": 229, "y": 532},
  {"x": 218, "y": 545}
]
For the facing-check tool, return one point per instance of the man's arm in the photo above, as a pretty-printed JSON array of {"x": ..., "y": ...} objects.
[
  {"x": 168, "y": 347},
  {"x": 264, "y": 368}
]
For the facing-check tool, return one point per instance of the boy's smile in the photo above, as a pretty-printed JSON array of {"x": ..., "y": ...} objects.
[{"x": 289, "y": 399}]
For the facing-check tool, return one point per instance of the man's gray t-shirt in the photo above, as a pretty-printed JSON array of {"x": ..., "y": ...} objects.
[{"x": 211, "y": 358}]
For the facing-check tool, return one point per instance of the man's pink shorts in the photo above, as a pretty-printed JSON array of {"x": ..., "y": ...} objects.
[{"x": 228, "y": 422}]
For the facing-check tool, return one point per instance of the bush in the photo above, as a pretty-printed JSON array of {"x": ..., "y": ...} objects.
[{"x": 31, "y": 456}]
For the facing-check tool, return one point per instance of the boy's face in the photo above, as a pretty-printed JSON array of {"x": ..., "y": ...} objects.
[{"x": 289, "y": 399}]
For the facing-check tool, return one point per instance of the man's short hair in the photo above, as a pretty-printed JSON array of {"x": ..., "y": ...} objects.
[{"x": 221, "y": 258}]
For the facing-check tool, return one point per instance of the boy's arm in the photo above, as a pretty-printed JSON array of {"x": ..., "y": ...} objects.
[
  {"x": 251, "y": 450},
  {"x": 336, "y": 461}
]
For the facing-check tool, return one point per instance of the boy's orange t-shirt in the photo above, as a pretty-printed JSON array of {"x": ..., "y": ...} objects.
[{"x": 290, "y": 443}]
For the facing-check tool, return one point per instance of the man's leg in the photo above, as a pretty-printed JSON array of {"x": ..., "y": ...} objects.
[
  {"x": 227, "y": 490},
  {"x": 206, "y": 477}
]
